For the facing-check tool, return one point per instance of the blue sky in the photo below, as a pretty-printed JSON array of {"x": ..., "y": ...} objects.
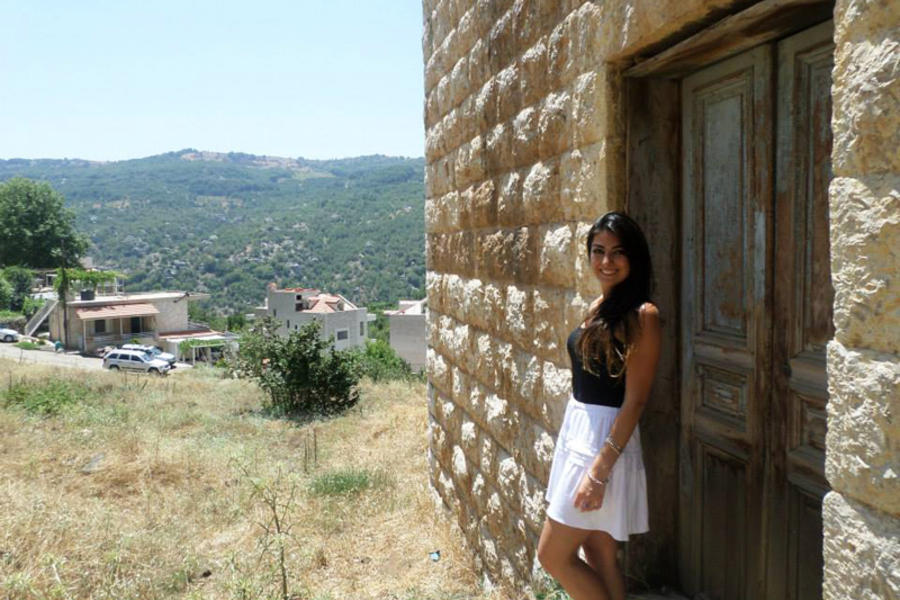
[{"x": 116, "y": 80}]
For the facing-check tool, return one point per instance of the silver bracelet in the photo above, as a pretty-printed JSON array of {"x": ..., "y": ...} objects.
[
  {"x": 612, "y": 444},
  {"x": 596, "y": 481}
]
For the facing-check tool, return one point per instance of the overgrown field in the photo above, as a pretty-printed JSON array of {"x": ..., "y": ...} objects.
[{"x": 125, "y": 487}]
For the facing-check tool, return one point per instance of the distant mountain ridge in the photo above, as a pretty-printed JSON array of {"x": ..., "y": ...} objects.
[{"x": 228, "y": 223}]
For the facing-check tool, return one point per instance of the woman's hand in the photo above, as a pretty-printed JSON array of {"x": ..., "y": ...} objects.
[{"x": 589, "y": 495}]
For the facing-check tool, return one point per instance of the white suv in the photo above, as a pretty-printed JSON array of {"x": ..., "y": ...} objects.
[
  {"x": 134, "y": 360},
  {"x": 153, "y": 351}
]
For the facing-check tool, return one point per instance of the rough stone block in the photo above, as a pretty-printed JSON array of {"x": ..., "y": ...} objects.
[
  {"x": 865, "y": 121},
  {"x": 557, "y": 260},
  {"x": 526, "y": 136},
  {"x": 500, "y": 420},
  {"x": 540, "y": 194},
  {"x": 485, "y": 366},
  {"x": 470, "y": 163},
  {"x": 484, "y": 205},
  {"x": 528, "y": 383},
  {"x": 474, "y": 310},
  {"x": 484, "y": 111},
  {"x": 479, "y": 67},
  {"x": 585, "y": 183},
  {"x": 560, "y": 67},
  {"x": 863, "y": 438},
  {"x": 439, "y": 372},
  {"x": 509, "y": 93},
  {"x": 555, "y": 125},
  {"x": 865, "y": 250},
  {"x": 502, "y": 41},
  {"x": 519, "y": 315},
  {"x": 591, "y": 119},
  {"x": 509, "y": 200},
  {"x": 586, "y": 283},
  {"x": 549, "y": 315},
  {"x": 557, "y": 387},
  {"x": 508, "y": 474},
  {"x": 861, "y": 551},
  {"x": 495, "y": 306},
  {"x": 533, "y": 67},
  {"x": 459, "y": 81}
]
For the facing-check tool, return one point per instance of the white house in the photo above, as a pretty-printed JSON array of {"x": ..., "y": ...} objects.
[
  {"x": 407, "y": 327},
  {"x": 339, "y": 318},
  {"x": 90, "y": 322}
]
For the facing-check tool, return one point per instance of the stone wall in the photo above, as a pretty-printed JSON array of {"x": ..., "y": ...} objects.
[
  {"x": 524, "y": 149},
  {"x": 860, "y": 515},
  {"x": 525, "y": 146}
]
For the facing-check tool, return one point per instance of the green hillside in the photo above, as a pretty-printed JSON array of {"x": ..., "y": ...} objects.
[{"x": 228, "y": 224}]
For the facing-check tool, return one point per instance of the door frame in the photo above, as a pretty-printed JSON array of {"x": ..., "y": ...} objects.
[{"x": 652, "y": 114}]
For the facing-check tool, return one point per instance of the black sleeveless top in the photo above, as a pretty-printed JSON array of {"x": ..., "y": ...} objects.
[{"x": 590, "y": 388}]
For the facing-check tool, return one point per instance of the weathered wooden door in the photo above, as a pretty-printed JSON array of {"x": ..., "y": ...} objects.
[
  {"x": 803, "y": 297},
  {"x": 751, "y": 478}
]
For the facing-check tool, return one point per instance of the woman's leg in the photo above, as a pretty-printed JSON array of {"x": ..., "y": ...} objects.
[
  {"x": 558, "y": 554},
  {"x": 601, "y": 551}
]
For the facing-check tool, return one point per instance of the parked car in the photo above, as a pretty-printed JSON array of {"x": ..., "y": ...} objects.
[
  {"x": 9, "y": 335},
  {"x": 153, "y": 351},
  {"x": 134, "y": 360}
]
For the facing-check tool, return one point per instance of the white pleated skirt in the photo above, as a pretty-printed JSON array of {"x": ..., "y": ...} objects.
[{"x": 624, "y": 511}]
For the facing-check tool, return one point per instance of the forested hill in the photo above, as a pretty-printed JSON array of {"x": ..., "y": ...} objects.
[{"x": 228, "y": 224}]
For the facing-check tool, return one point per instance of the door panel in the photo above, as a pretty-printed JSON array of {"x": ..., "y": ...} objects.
[
  {"x": 727, "y": 190},
  {"x": 803, "y": 297}
]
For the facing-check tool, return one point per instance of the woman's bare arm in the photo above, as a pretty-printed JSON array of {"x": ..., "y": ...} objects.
[{"x": 639, "y": 373}]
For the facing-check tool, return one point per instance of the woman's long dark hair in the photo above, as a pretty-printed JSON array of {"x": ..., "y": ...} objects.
[{"x": 616, "y": 318}]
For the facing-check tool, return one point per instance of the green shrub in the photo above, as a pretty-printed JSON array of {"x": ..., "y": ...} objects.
[
  {"x": 301, "y": 373},
  {"x": 46, "y": 397},
  {"x": 380, "y": 362},
  {"x": 25, "y": 345},
  {"x": 345, "y": 482},
  {"x": 6, "y": 293}
]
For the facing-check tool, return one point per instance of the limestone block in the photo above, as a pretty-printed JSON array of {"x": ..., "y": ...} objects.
[
  {"x": 856, "y": 20},
  {"x": 460, "y": 468},
  {"x": 468, "y": 435},
  {"x": 557, "y": 260},
  {"x": 528, "y": 382},
  {"x": 450, "y": 211},
  {"x": 484, "y": 111},
  {"x": 540, "y": 194},
  {"x": 466, "y": 29},
  {"x": 459, "y": 81},
  {"x": 560, "y": 67},
  {"x": 474, "y": 310},
  {"x": 555, "y": 125},
  {"x": 470, "y": 162},
  {"x": 479, "y": 67},
  {"x": 465, "y": 208},
  {"x": 433, "y": 217},
  {"x": 866, "y": 89},
  {"x": 456, "y": 289},
  {"x": 492, "y": 254},
  {"x": 587, "y": 33},
  {"x": 865, "y": 250},
  {"x": 549, "y": 315},
  {"x": 451, "y": 416},
  {"x": 484, "y": 205},
  {"x": 442, "y": 95},
  {"x": 508, "y": 92},
  {"x": 519, "y": 315},
  {"x": 495, "y": 305},
  {"x": 533, "y": 505},
  {"x": 533, "y": 69},
  {"x": 502, "y": 42},
  {"x": 526, "y": 132},
  {"x": 438, "y": 438},
  {"x": 456, "y": 343},
  {"x": 863, "y": 437},
  {"x": 438, "y": 372},
  {"x": 508, "y": 474},
  {"x": 509, "y": 200},
  {"x": 461, "y": 388},
  {"x": 435, "y": 142},
  {"x": 461, "y": 255},
  {"x": 434, "y": 288},
  {"x": 592, "y": 120},
  {"x": 488, "y": 549},
  {"x": 500, "y": 419},
  {"x": 475, "y": 403},
  {"x": 451, "y": 131},
  {"x": 861, "y": 551},
  {"x": 499, "y": 148},
  {"x": 576, "y": 311},
  {"x": 485, "y": 365},
  {"x": 479, "y": 496},
  {"x": 589, "y": 182},
  {"x": 489, "y": 451},
  {"x": 557, "y": 387}
]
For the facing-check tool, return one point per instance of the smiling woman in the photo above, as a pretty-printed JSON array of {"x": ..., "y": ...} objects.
[{"x": 597, "y": 491}]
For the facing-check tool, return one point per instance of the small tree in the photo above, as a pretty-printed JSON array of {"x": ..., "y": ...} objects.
[
  {"x": 21, "y": 280},
  {"x": 301, "y": 373},
  {"x": 380, "y": 362}
]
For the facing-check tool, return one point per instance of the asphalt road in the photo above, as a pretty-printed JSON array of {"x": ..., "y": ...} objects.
[{"x": 71, "y": 360}]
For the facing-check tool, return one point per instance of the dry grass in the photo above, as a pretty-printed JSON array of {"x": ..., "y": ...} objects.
[{"x": 157, "y": 488}]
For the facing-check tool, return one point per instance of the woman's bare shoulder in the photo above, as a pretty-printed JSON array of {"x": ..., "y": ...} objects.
[{"x": 648, "y": 313}]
